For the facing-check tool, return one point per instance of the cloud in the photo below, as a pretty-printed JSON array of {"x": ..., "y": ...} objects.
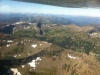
[{"x": 5, "y": 8}]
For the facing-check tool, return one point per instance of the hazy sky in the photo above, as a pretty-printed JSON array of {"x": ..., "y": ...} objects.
[{"x": 24, "y": 7}]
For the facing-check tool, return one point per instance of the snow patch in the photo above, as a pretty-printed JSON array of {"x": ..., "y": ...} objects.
[
  {"x": 38, "y": 59},
  {"x": 15, "y": 71},
  {"x": 19, "y": 22},
  {"x": 70, "y": 56},
  {"x": 7, "y": 45},
  {"x": 15, "y": 55},
  {"x": 40, "y": 44},
  {"x": 18, "y": 73},
  {"x": 9, "y": 41},
  {"x": 28, "y": 53},
  {"x": 33, "y": 63},
  {"x": 34, "y": 45},
  {"x": 92, "y": 34},
  {"x": 23, "y": 66},
  {"x": 45, "y": 42}
]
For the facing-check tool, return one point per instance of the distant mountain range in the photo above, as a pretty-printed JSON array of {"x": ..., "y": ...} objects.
[
  {"x": 84, "y": 20},
  {"x": 47, "y": 18}
]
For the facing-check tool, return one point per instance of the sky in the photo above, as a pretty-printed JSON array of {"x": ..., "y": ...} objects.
[{"x": 8, "y": 6}]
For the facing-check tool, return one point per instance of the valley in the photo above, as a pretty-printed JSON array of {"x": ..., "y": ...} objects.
[{"x": 60, "y": 50}]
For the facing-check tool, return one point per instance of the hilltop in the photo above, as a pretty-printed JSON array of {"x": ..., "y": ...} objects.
[{"x": 60, "y": 50}]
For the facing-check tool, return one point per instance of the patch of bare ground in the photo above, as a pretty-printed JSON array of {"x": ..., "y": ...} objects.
[
  {"x": 78, "y": 28},
  {"x": 81, "y": 65},
  {"x": 23, "y": 48},
  {"x": 66, "y": 62}
]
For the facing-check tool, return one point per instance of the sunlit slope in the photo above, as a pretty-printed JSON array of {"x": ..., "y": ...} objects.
[{"x": 67, "y": 50}]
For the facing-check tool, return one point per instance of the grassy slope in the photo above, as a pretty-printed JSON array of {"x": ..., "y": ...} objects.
[{"x": 56, "y": 61}]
